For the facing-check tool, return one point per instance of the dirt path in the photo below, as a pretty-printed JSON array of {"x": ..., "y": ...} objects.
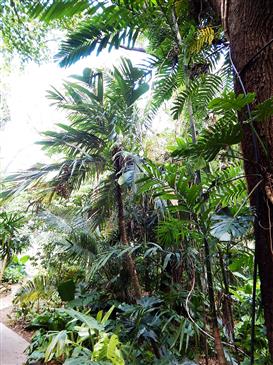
[{"x": 12, "y": 346}]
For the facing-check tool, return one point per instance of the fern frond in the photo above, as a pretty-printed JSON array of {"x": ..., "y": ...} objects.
[
  {"x": 204, "y": 36},
  {"x": 201, "y": 91},
  {"x": 167, "y": 81},
  {"x": 226, "y": 132},
  {"x": 227, "y": 186}
]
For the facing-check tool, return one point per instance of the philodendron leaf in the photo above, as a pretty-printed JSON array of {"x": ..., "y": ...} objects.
[
  {"x": 231, "y": 101},
  {"x": 263, "y": 110},
  {"x": 226, "y": 227}
]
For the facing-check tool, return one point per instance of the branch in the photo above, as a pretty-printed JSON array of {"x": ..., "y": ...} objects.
[{"x": 136, "y": 49}]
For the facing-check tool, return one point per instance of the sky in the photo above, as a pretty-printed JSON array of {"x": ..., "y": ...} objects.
[{"x": 31, "y": 112}]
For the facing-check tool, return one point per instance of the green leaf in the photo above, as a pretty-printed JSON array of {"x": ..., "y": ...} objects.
[
  {"x": 141, "y": 90},
  {"x": 91, "y": 322},
  {"x": 263, "y": 110},
  {"x": 24, "y": 259},
  {"x": 107, "y": 315},
  {"x": 57, "y": 345},
  {"x": 81, "y": 360},
  {"x": 239, "y": 275},
  {"x": 66, "y": 290},
  {"x": 226, "y": 227},
  {"x": 113, "y": 353},
  {"x": 225, "y": 132},
  {"x": 230, "y": 102}
]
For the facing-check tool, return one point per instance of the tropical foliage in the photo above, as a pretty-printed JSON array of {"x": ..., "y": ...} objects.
[{"x": 148, "y": 260}]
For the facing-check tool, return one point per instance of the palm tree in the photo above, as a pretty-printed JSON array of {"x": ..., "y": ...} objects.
[
  {"x": 194, "y": 27},
  {"x": 10, "y": 242},
  {"x": 103, "y": 123}
]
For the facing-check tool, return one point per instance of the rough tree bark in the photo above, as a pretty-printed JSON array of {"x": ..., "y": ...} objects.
[
  {"x": 128, "y": 262},
  {"x": 248, "y": 25}
]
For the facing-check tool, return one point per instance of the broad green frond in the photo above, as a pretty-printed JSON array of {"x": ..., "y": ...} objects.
[
  {"x": 81, "y": 245},
  {"x": 101, "y": 202},
  {"x": 75, "y": 142},
  {"x": 200, "y": 91},
  {"x": 113, "y": 27},
  {"x": 47, "y": 10},
  {"x": 225, "y": 132},
  {"x": 204, "y": 36},
  {"x": 231, "y": 102}
]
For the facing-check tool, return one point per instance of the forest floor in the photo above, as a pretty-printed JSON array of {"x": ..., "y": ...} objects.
[{"x": 14, "y": 338}]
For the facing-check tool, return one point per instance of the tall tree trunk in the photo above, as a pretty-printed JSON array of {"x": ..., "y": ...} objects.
[
  {"x": 128, "y": 262},
  {"x": 248, "y": 25}
]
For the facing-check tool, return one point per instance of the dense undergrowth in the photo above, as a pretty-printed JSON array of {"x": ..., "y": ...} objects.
[{"x": 145, "y": 239}]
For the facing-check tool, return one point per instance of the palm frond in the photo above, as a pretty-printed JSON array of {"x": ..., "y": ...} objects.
[
  {"x": 168, "y": 183},
  {"x": 40, "y": 287},
  {"x": 200, "y": 91},
  {"x": 48, "y": 11},
  {"x": 226, "y": 186},
  {"x": 113, "y": 27},
  {"x": 76, "y": 142},
  {"x": 45, "y": 179},
  {"x": 225, "y": 132},
  {"x": 105, "y": 256},
  {"x": 101, "y": 202},
  {"x": 129, "y": 82},
  {"x": 81, "y": 245}
]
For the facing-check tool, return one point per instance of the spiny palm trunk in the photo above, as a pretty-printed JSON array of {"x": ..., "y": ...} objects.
[
  {"x": 128, "y": 262},
  {"x": 248, "y": 25}
]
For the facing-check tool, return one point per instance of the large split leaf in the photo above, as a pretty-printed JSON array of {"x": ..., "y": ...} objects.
[{"x": 226, "y": 227}]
